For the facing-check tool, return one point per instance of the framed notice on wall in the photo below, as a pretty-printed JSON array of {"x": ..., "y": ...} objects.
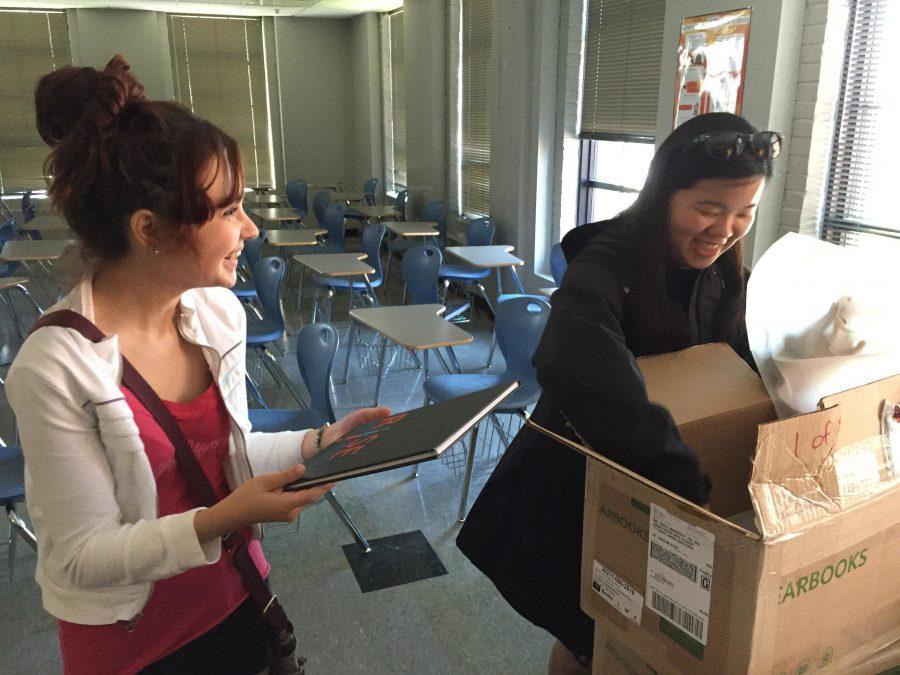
[{"x": 711, "y": 62}]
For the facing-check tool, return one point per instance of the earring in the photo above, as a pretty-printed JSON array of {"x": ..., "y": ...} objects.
[{"x": 156, "y": 250}]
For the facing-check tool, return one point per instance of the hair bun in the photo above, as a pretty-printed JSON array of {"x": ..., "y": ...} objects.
[{"x": 84, "y": 97}]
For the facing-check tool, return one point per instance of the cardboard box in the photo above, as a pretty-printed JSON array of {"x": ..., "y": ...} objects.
[{"x": 815, "y": 587}]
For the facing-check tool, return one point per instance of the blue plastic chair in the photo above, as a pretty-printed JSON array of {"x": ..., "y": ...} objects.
[
  {"x": 421, "y": 267},
  {"x": 371, "y": 245},
  {"x": 435, "y": 211},
  {"x": 268, "y": 274},
  {"x": 368, "y": 198},
  {"x": 479, "y": 232},
  {"x": 519, "y": 323},
  {"x": 12, "y": 491},
  {"x": 558, "y": 263},
  {"x": 317, "y": 344},
  {"x": 334, "y": 222},
  {"x": 296, "y": 192},
  {"x": 319, "y": 203},
  {"x": 29, "y": 207},
  {"x": 400, "y": 203}
]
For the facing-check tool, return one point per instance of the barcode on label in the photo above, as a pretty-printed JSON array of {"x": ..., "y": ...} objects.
[
  {"x": 673, "y": 561},
  {"x": 678, "y": 615}
]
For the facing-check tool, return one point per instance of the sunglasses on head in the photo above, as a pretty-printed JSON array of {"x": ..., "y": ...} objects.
[{"x": 726, "y": 145}]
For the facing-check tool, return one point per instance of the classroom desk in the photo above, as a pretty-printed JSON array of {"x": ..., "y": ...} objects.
[
  {"x": 413, "y": 327},
  {"x": 346, "y": 196},
  {"x": 336, "y": 265},
  {"x": 306, "y": 237},
  {"x": 412, "y": 228},
  {"x": 275, "y": 215},
  {"x": 43, "y": 219},
  {"x": 497, "y": 257},
  {"x": 22, "y": 250},
  {"x": 259, "y": 200},
  {"x": 377, "y": 212},
  {"x": 41, "y": 251},
  {"x": 49, "y": 232}
]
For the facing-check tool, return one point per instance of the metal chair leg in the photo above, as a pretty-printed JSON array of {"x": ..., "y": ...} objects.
[
  {"x": 441, "y": 359},
  {"x": 315, "y": 305},
  {"x": 300, "y": 291},
  {"x": 12, "y": 312},
  {"x": 415, "y": 469},
  {"x": 493, "y": 312},
  {"x": 254, "y": 391},
  {"x": 453, "y": 359},
  {"x": 278, "y": 373},
  {"x": 493, "y": 348},
  {"x": 16, "y": 527},
  {"x": 19, "y": 526},
  {"x": 504, "y": 437},
  {"x": 380, "y": 369},
  {"x": 387, "y": 270},
  {"x": 358, "y": 536},
  {"x": 470, "y": 462},
  {"x": 351, "y": 334}
]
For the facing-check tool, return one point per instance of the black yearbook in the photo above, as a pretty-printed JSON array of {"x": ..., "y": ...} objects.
[{"x": 404, "y": 438}]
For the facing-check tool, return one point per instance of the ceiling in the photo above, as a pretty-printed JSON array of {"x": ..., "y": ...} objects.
[{"x": 335, "y": 9}]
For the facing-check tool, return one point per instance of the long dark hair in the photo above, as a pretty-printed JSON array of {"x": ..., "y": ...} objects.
[{"x": 679, "y": 164}]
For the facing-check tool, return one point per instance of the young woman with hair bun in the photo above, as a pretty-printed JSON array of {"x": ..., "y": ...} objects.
[{"x": 129, "y": 560}]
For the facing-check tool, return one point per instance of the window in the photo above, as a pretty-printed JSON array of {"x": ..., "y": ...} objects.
[
  {"x": 859, "y": 203},
  {"x": 473, "y": 160},
  {"x": 394, "y": 98},
  {"x": 36, "y": 43},
  {"x": 621, "y": 89},
  {"x": 219, "y": 68},
  {"x": 613, "y": 172}
]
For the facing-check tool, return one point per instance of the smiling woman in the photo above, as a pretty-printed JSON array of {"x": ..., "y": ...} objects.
[
  {"x": 665, "y": 274},
  {"x": 709, "y": 218},
  {"x": 141, "y": 466}
]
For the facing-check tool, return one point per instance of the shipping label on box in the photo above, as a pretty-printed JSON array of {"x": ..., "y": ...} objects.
[
  {"x": 679, "y": 572},
  {"x": 618, "y": 592}
]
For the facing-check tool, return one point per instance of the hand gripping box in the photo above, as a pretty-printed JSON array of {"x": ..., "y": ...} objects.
[{"x": 808, "y": 582}]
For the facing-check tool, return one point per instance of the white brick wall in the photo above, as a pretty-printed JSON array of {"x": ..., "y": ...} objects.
[
  {"x": 568, "y": 97},
  {"x": 818, "y": 85},
  {"x": 804, "y": 110}
]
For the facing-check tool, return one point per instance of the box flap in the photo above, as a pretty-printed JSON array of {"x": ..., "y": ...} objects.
[
  {"x": 701, "y": 382},
  {"x": 814, "y": 465},
  {"x": 867, "y": 423},
  {"x": 784, "y": 488}
]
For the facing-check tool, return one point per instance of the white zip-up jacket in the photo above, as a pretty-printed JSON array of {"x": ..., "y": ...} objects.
[{"x": 89, "y": 486}]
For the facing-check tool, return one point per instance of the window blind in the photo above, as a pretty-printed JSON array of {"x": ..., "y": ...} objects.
[
  {"x": 621, "y": 67},
  {"x": 35, "y": 44},
  {"x": 394, "y": 87},
  {"x": 859, "y": 199},
  {"x": 219, "y": 72},
  {"x": 475, "y": 151}
]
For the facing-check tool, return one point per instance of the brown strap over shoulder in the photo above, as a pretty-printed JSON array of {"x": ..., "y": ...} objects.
[{"x": 234, "y": 543}]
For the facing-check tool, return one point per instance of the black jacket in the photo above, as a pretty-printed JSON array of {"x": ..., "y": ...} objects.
[{"x": 524, "y": 530}]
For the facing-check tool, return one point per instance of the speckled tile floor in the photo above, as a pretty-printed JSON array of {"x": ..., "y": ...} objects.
[{"x": 453, "y": 623}]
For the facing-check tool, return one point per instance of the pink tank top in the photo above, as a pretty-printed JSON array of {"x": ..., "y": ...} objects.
[{"x": 183, "y": 607}]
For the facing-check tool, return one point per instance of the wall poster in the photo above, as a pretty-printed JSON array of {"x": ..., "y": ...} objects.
[{"x": 711, "y": 63}]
